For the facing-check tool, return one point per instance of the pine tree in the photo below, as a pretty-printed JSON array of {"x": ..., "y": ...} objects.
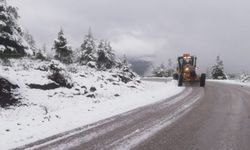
[
  {"x": 62, "y": 49},
  {"x": 126, "y": 74},
  {"x": 101, "y": 56},
  {"x": 12, "y": 43},
  {"x": 105, "y": 56},
  {"x": 218, "y": 69},
  {"x": 88, "y": 49},
  {"x": 76, "y": 55},
  {"x": 110, "y": 55},
  {"x": 125, "y": 65},
  {"x": 170, "y": 69},
  {"x": 41, "y": 54},
  {"x": 30, "y": 40}
]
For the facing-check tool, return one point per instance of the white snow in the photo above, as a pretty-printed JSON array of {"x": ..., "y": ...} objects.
[
  {"x": 2, "y": 23},
  {"x": 50, "y": 112},
  {"x": 11, "y": 48},
  {"x": 136, "y": 138},
  {"x": 2, "y": 48},
  {"x": 238, "y": 82}
]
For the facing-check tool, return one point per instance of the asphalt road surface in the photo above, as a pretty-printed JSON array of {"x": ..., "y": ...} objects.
[{"x": 216, "y": 117}]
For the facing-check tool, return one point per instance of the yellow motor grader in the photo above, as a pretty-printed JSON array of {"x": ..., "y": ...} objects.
[{"x": 186, "y": 71}]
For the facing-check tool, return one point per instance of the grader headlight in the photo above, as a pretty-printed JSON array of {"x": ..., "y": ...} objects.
[{"x": 186, "y": 69}]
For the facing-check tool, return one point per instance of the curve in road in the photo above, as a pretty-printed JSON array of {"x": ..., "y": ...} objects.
[
  {"x": 221, "y": 121},
  {"x": 214, "y": 117}
]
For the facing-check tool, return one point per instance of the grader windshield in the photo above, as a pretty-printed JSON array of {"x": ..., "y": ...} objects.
[{"x": 186, "y": 60}]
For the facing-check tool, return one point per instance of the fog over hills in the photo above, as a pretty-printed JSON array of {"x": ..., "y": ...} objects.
[{"x": 141, "y": 66}]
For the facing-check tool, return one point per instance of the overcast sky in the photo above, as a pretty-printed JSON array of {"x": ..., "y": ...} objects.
[{"x": 160, "y": 28}]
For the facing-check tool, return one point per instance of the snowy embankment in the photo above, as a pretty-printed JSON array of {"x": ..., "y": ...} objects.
[
  {"x": 233, "y": 82},
  {"x": 95, "y": 96}
]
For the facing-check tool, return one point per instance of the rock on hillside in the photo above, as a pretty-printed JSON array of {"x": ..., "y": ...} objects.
[{"x": 8, "y": 94}]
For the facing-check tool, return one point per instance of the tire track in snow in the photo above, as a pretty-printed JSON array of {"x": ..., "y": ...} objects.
[
  {"x": 135, "y": 138},
  {"x": 126, "y": 130}
]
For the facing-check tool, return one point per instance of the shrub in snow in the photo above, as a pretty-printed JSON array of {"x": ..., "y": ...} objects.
[
  {"x": 6, "y": 62},
  {"x": 2, "y": 48},
  {"x": 244, "y": 77},
  {"x": 59, "y": 75},
  {"x": 105, "y": 56},
  {"x": 23, "y": 64},
  {"x": 88, "y": 50},
  {"x": 62, "y": 49},
  {"x": 73, "y": 68},
  {"x": 218, "y": 70},
  {"x": 126, "y": 76},
  {"x": 125, "y": 73},
  {"x": 43, "y": 68},
  {"x": 91, "y": 64},
  {"x": 76, "y": 55},
  {"x": 41, "y": 53},
  {"x": 7, "y": 93},
  {"x": 124, "y": 65},
  {"x": 163, "y": 71},
  {"x": 92, "y": 89},
  {"x": 232, "y": 76},
  {"x": 12, "y": 43},
  {"x": 92, "y": 96},
  {"x": 117, "y": 95},
  {"x": 159, "y": 71}
]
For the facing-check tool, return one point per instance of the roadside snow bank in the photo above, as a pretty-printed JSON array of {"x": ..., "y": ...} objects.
[
  {"x": 95, "y": 95},
  {"x": 232, "y": 82}
]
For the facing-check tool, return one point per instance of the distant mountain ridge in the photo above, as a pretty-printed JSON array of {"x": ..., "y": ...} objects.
[{"x": 141, "y": 65}]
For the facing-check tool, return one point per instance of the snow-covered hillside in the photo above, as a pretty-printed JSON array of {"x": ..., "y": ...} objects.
[{"x": 46, "y": 109}]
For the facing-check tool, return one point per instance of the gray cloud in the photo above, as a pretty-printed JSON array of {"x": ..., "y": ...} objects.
[{"x": 164, "y": 28}]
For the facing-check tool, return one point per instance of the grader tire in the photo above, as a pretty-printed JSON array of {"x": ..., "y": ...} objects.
[
  {"x": 203, "y": 80},
  {"x": 180, "y": 81}
]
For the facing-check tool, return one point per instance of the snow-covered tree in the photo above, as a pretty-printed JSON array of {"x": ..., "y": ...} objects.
[
  {"x": 30, "y": 40},
  {"x": 88, "y": 50},
  {"x": 62, "y": 49},
  {"x": 76, "y": 55},
  {"x": 232, "y": 76},
  {"x": 218, "y": 69},
  {"x": 164, "y": 71},
  {"x": 105, "y": 56},
  {"x": 125, "y": 73},
  {"x": 125, "y": 65},
  {"x": 41, "y": 53},
  {"x": 244, "y": 77},
  {"x": 59, "y": 74},
  {"x": 12, "y": 43},
  {"x": 159, "y": 71}
]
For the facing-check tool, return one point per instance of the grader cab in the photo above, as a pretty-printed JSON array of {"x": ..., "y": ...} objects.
[{"x": 186, "y": 71}]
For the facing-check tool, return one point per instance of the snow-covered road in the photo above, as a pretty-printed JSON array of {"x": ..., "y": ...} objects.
[
  {"x": 214, "y": 117},
  {"x": 30, "y": 124},
  {"x": 220, "y": 121},
  {"x": 126, "y": 130}
]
